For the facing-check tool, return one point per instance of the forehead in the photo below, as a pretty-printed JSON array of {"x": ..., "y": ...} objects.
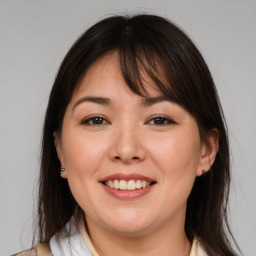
[{"x": 105, "y": 76}]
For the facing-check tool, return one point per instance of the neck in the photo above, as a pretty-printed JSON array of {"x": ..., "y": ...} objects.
[{"x": 168, "y": 240}]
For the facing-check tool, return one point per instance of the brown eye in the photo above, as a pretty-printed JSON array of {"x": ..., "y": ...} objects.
[
  {"x": 160, "y": 120},
  {"x": 95, "y": 120}
]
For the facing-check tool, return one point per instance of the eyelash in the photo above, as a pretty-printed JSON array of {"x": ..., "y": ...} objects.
[
  {"x": 90, "y": 120},
  {"x": 166, "y": 120},
  {"x": 99, "y": 120}
]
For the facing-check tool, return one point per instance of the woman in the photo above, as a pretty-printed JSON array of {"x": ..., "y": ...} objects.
[{"x": 135, "y": 156}]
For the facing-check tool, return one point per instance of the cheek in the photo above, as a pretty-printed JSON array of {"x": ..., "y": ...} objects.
[
  {"x": 82, "y": 154},
  {"x": 177, "y": 155},
  {"x": 177, "y": 160}
]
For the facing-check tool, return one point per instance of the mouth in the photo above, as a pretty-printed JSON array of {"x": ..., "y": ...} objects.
[{"x": 129, "y": 185}]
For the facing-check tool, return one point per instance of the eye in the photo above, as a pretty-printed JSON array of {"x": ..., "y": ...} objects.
[
  {"x": 95, "y": 120},
  {"x": 160, "y": 120}
]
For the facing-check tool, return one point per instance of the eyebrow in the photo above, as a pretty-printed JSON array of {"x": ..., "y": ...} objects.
[
  {"x": 151, "y": 101},
  {"x": 98, "y": 100},
  {"x": 146, "y": 102}
]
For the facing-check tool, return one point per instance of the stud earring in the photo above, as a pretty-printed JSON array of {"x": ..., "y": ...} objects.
[
  {"x": 62, "y": 170},
  {"x": 204, "y": 172}
]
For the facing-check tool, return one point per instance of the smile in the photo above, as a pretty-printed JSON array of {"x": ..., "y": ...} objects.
[{"x": 127, "y": 185}]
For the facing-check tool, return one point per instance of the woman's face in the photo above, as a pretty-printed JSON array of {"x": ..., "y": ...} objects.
[{"x": 130, "y": 161}]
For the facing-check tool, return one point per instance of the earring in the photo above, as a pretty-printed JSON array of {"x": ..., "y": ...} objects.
[
  {"x": 204, "y": 172},
  {"x": 62, "y": 170}
]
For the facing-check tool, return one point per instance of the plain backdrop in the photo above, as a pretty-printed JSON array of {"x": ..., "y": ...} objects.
[{"x": 34, "y": 37}]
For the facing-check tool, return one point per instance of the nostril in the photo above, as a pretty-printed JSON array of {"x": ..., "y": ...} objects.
[{"x": 135, "y": 158}]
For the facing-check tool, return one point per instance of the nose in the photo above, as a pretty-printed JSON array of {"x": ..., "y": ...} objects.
[{"x": 127, "y": 146}]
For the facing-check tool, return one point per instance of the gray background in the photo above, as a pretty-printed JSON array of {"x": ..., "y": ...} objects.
[{"x": 34, "y": 37}]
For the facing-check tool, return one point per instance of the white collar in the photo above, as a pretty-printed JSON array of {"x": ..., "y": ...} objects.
[{"x": 79, "y": 243}]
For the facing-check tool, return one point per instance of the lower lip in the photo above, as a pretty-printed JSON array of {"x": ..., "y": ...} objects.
[{"x": 127, "y": 194}]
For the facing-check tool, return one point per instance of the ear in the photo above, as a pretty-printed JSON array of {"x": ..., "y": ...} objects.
[
  {"x": 58, "y": 146},
  {"x": 209, "y": 149}
]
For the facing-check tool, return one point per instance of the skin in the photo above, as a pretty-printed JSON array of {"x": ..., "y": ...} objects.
[{"x": 128, "y": 140}]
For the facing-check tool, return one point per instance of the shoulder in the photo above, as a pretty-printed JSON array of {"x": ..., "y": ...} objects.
[{"x": 42, "y": 249}]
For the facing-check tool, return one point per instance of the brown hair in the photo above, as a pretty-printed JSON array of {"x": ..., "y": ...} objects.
[{"x": 155, "y": 46}]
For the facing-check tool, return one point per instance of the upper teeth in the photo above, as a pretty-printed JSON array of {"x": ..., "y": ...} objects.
[{"x": 127, "y": 185}]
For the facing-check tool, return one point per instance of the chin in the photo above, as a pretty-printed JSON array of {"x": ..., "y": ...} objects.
[
  {"x": 131, "y": 229},
  {"x": 129, "y": 222}
]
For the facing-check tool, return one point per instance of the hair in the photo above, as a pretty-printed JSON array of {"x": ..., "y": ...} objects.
[{"x": 154, "y": 46}]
